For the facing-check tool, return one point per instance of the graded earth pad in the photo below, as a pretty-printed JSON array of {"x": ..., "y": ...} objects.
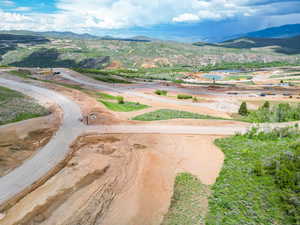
[{"x": 118, "y": 180}]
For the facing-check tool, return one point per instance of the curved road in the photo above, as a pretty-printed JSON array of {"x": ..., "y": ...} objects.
[
  {"x": 58, "y": 147},
  {"x": 223, "y": 106},
  {"x": 50, "y": 155}
]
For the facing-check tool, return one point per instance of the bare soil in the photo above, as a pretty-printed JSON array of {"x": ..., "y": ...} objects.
[
  {"x": 20, "y": 141},
  {"x": 118, "y": 180}
]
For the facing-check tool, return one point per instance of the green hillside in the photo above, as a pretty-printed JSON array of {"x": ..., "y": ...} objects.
[{"x": 38, "y": 51}]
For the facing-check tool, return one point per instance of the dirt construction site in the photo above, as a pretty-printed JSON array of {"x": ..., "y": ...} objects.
[{"x": 87, "y": 164}]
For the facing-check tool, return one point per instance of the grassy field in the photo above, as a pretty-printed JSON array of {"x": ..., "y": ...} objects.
[
  {"x": 286, "y": 75},
  {"x": 15, "y": 107},
  {"x": 102, "y": 76},
  {"x": 168, "y": 114},
  {"x": 237, "y": 77},
  {"x": 125, "y": 107},
  {"x": 188, "y": 204},
  {"x": 21, "y": 74},
  {"x": 245, "y": 193}
]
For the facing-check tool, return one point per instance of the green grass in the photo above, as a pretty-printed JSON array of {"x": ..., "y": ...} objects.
[
  {"x": 15, "y": 106},
  {"x": 245, "y": 65},
  {"x": 22, "y": 116},
  {"x": 106, "y": 96},
  {"x": 168, "y": 114},
  {"x": 236, "y": 77},
  {"x": 287, "y": 75},
  {"x": 160, "y": 73},
  {"x": 22, "y": 74},
  {"x": 125, "y": 107},
  {"x": 188, "y": 204},
  {"x": 102, "y": 75},
  {"x": 109, "y": 79},
  {"x": 7, "y": 94},
  {"x": 240, "y": 196},
  {"x": 184, "y": 96},
  {"x": 161, "y": 92}
]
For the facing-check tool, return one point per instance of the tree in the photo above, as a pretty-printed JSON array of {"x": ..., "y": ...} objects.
[
  {"x": 243, "y": 111},
  {"x": 266, "y": 105}
]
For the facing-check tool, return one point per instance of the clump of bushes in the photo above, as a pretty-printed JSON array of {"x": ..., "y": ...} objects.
[
  {"x": 161, "y": 92},
  {"x": 120, "y": 99},
  {"x": 283, "y": 112},
  {"x": 184, "y": 96},
  {"x": 285, "y": 171},
  {"x": 259, "y": 182}
]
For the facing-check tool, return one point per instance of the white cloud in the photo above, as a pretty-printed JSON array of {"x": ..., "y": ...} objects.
[
  {"x": 186, "y": 17},
  {"x": 89, "y": 15},
  {"x": 7, "y": 2},
  {"x": 22, "y": 9}
]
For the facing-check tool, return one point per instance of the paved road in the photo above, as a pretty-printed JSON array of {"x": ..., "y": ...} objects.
[{"x": 51, "y": 154}]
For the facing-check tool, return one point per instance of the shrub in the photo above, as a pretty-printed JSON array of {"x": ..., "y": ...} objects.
[
  {"x": 195, "y": 99},
  {"x": 243, "y": 111},
  {"x": 120, "y": 99},
  {"x": 161, "y": 92},
  {"x": 284, "y": 169},
  {"x": 266, "y": 105},
  {"x": 184, "y": 96}
]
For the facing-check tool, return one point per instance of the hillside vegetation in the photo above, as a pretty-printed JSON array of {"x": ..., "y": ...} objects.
[
  {"x": 289, "y": 45},
  {"x": 68, "y": 51}
]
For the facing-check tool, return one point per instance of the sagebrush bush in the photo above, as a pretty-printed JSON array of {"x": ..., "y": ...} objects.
[
  {"x": 161, "y": 92},
  {"x": 285, "y": 170},
  {"x": 184, "y": 97}
]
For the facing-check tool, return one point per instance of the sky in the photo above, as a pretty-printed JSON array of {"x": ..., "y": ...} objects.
[{"x": 182, "y": 20}]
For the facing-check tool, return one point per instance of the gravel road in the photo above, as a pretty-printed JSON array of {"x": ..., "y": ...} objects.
[
  {"x": 221, "y": 105},
  {"x": 51, "y": 154}
]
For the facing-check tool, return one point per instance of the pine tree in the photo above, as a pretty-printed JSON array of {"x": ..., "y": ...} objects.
[
  {"x": 243, "y": 111},
  {"x": 266, "y": 105}
]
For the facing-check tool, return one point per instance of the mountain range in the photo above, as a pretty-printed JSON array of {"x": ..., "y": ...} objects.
[
  {"x": 285, "y": 31},
  {"x": 288, "y": 30}
]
